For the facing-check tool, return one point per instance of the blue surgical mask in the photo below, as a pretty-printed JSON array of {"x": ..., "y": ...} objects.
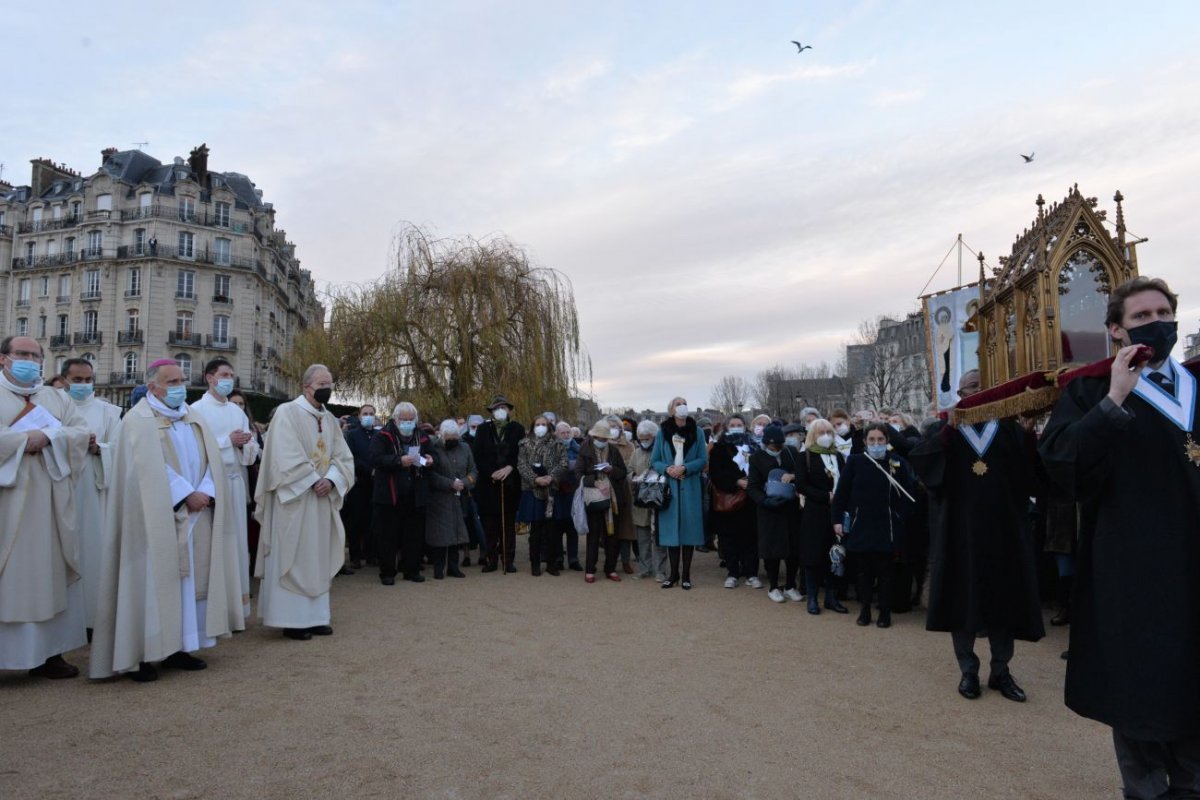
[
  {"x": 407, "y": 427},
  {"x": 25, "y": 371},
  {"x": 600, "y": 443},
  {"x": 80, "y": 391},
  {"x": 795, "y": 441},
  {"x": 224, "y": 386},
  {"x": 175, "y": 396},
  {"x": 367, "y": 421},
  {"x": 877, "y": 451}
]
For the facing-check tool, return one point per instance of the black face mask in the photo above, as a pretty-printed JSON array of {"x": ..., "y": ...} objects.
[
  {"x": 1159, "y": 335},
  {"x": 322, "y": 395},
  {"x": 451, "y": 443}
]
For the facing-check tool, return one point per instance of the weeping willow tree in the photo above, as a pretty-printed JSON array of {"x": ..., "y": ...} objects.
[{"x": 453, "y": 322}]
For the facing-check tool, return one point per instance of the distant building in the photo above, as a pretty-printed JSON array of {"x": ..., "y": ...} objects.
[
  {"x": 1191, "y": 347},
  {"x": 791, "y": 396},
  {"x": 144, "y": 260},
  {"x": 892, "y": 373}
]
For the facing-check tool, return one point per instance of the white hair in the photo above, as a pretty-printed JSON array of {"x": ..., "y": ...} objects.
[
  {"x": 810, "y": 410},
  {"x": 562, "y": 426},
  {"x": 311, "y": 373},
  {"x": 448, "y": 427},
  {"x": 647, "y": 426},
  {"x": 405, "y": 407}
]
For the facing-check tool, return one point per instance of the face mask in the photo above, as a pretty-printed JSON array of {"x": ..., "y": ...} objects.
[
  {"x": 175, "y": 396},
  {"x": 80, "y": 391},
  {"x": 646, "y": 445},
  {"x": 367, "y": 421},
  {"x": 25, "y": 371},
  {"x": 877, "y": 451},
  {"x": 794, "y": 441},
  {"x": 1160, "y": 335},
  {"x": 539, "y": 430},
  {"x": 451, "y": 443},
  {"x": 600, "y": 444},
  {"x": 681, "y": 411},
  {"x": 776, "y": 453},
  {"x": 843, "y": 429},
  {"x": 500, "y": 414},
  {"x": 735, "y": 433},
  {"x": 825, "y": 440},
  {"x": 407, "y": 427},
  {"x": 224, "y": 386},
  {"x": 758, "y": 430},
  {"x": 628, "y": 435},
  {"x": 473, "y": 427},
  {"x": 322, "y": 395}
]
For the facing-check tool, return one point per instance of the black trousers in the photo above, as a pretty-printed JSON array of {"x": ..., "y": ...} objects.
[
  {"x": 399, "y": 531},
  {"x": 1158, "y": 769},
  {"x": 545, "y": 541},
  {"x": 1002, "y": 645},
  {"x": 356, "y": 519},
  {"x": 598, "y": 535},
  {"x": 875, "y": 568},
  {"x": 502, "y": 528},
  {"x": 737, "y": 532}
]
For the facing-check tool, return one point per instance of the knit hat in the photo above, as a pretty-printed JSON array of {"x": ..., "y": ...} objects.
[{"x": 772, "y": 434}]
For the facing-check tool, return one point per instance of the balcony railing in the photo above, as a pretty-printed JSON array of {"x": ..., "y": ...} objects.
[
  {"x": 205, "y": 216},
  {"x": 184, "y": 294},
  {"x": 58, "y": 259},
  {"x": 222, "y": 299},
  {"x": 133, "y": 292},
  {"x": 37, "y": 226},
  {"x": 23, "y": 302},
  {"x": 100, "y": 213},
  {"x": 63, "y": 299},
  {"x": 185, "y": 339},
  {"x": 89, "y": 337},
  {"x": 90, "y": 294},
  {"x": 196, "y": 256},
  {"x": 5, "y": 231},
  {"x": 226, "y": 343},
  {"x": 125, "y": 378},
  {"x": 129, "y": 337},
  {"x": 60, "y": 341},
  {"x": 258, "y": 348}
]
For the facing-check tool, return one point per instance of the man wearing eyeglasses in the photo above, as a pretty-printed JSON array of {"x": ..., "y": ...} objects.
[{"x": 43, "y": 442}]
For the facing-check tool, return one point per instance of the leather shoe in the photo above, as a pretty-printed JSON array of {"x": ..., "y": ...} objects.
[
  {"x": 968, "y": 687},
  {"x": 455, "y": 573},
  {"x": 299, "y": 634},
  {"x": 145, "y": 673},
  {"x": 321, "y": 630},
  {"x": 1007, "y": 687},
  {"x": 511, "y": 568},
  {"x": 387, "y": 580},
  {"x": 345, "y": 570},
  {"x": 576, "y": 566},
  {"x": 553, "y": 569},
  {"x": 864, "y": 616},
  {"x": 814, "y": 606},
  {"x": 55, "y": 668},
  {"x": 184, "y": 661},
  {"x": 535, "y": 570},
  {"x": 489, "y": 568},
  {"x": 418, "y": 578},
  {"x": 885, "y": 620}
]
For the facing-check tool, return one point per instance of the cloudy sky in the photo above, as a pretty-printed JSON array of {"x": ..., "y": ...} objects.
[{"x": 719, "y": 202}]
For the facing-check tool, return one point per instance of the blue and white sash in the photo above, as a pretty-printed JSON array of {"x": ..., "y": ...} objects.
[
  {"x": 1179, "y": 405},
  {"x": 980, "y": 441}
]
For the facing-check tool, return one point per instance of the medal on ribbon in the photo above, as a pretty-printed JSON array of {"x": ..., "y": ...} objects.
[
  {"x": 1192, "y": 450},
  {"x": 1178, "y": 405},
  {"x": 980, "y": 441}
]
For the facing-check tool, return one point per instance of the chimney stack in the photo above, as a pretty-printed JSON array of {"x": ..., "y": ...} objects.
[{"x": 198, "y": 161}]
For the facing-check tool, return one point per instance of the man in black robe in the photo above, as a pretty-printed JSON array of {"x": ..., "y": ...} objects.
[
  {"x": 982, "y": 564},
  {"x": 1121, "y": 442},
  {"x": 499, "y": 489}
]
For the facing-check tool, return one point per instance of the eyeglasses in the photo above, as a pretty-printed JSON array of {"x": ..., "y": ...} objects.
[{"x": 25, "y": 354}]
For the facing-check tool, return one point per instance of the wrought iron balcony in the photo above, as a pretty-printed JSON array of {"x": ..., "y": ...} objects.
[
  {"x": 197, "y": 256},
  {"x": 5, "y": 231},
  {"x": 89, "y": 337},
  {"x": 130, "y": 337},
  {"x": 185, "y": 339},
  {"x": 125, "y": 378},
  {"x": 60, "y": 341},
  {"x": 63, "y": 299},
  {"x": 133, "y": 292},
  {"x": 227, "y": 343},
  {"x": 37, "y": 226},
  {"x": 185, "y": 294},
  {"x": 23, "y": 302},
  {"x": 222, "y": 299},
  {"x": 90, "y": 294}
]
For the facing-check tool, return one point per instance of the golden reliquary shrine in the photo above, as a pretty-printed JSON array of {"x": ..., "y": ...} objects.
[{"x": 1043, "y": 308}]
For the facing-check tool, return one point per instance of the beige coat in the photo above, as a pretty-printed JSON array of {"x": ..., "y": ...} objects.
[{"x": 144, "y": 555}]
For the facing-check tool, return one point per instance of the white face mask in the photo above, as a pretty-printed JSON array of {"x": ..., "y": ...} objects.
[
  {"x": 843, "y": 429},
  {"x": 736, "y": 431},
  {"x": 614, "y": 432},
  {"x": 681, "y": 411},
  {"x": 500, "y": 413},
  {"x": 539, "y": 430},
  {"x": 897, "y": 427},
  {"x": 628, "y": 435},
  {"x": 825, "y": 440},
  {"x": 758, "y": 430}
]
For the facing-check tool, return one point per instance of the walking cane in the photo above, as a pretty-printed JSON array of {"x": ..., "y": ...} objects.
[{"x": 503, "y": 517}]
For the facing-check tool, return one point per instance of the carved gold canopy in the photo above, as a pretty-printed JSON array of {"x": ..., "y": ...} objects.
[{"x": 1043, "y": 307}]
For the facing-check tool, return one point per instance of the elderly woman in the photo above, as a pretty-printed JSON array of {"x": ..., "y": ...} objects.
[
  {"x": 563, "y": 524},
  {"x": 399, "y": 455},
  {"x": 817, "y": 476},
  {"x": 626, "y": 536},
  {"x": 875, "y": 493},
  {"x": 599, "y": 462},
  {"x": 542, "y": 465},
  {"x": 681, "y": 453},
  {"x": 652, "y": 559},
  {"x": 451, "y": 477},
  {"x": 757, "y": 426},
  {"x": 778, "y": 519},
  {"x": 733, "y": 516}
]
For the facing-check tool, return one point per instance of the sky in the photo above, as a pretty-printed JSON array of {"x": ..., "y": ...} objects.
[{"x": 719, "y": 202}]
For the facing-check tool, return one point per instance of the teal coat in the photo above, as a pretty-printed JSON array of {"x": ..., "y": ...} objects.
[{"x": 682, "y": 521}]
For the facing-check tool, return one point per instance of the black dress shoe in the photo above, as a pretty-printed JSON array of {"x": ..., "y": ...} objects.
[
  {"x": 439, "y": 574},
  {"x": 55, "y": 668},
  {"x": 345, "y": 570},
  {"x": 535, "y": 570},
  {"x": 321, "y": 630},
  {"x": 489, "y": 568},
  {"x": 466, "y": 562},
  {"x": 455, "y": 573},
  {"x": 1066, "y": 654},
  {"x": 387, "y": 580},
  {"x": 885, "y": 620},
  {"x": 576, "y": 566},
  {"x": 299, "y": 634},
  {"x": 836, "y": 606},
  {"x": 1007, "y": 687},
  {"x": 418, "y": 578},
  {"x": 511, "y": 568},
  {"x": 144, "y": 673},
  {"x": 184, "y": 661},
  {"x": 553, "y": 570},
  {"x": 670, "y": 583},
  {"x": 968, "y": 687},
  {"x": 864, "y": 616}
]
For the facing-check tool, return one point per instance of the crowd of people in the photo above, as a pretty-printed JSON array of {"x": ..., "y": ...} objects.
[{"x": 136, "y": 532}]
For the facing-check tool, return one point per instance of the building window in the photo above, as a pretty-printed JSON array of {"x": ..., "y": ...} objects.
[
  {"x": 93, "y": 245},
  {"x": 220, "y": 329},
  {"x": 185, "y": 284},
  {"x": 23, "y": 292},
  {"x": 92, "y": 286},
  {"x": 37, "y": 219},
  {"x": 222, "y": 219},
  {"x": 187, "y": 245},
  {"x": 183, "y": 324},
  {"x": 56, "y": 211},
  {"x": 90, "y": 358},
  {"x": 76, "y": 210},
  {"x": 64, "y": 322},
  {"x": 42, "y": 326},
  {"x": 185, "y": 364},
  {"x": 131, "y": 365},
  {"x": 221, "y": 251},
  {"x": 139, "y": 242},
  {"x": 134, "y": 289},
  {"x": 45, "y": 286},
  {"x": 91, "y": 322},
  {"x": 22, "y": 326},
  {"x": 64, "y": 287},
  {"x": 30, "y": 253},
  {"x": 51, "y": 247},
  {"x": 221, "y": 287},
  {"x": 187, "y": 209},
  {"x": 104, "y": 202},
  {"x": 145, "y": 199},
  {"x": 133, "y": 320},
  {"x": 70, "y": 249}
]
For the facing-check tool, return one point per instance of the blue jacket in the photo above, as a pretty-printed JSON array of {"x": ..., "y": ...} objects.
[
  {"x": 878, "y": 511},
  {"x": 682, "y": 521}
]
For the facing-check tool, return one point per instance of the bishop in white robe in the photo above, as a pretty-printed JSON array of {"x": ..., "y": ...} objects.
[
  {"x": 239, "y": 450},
  {"x": 168, "y": 586},
  {"x": 307, "y": 469},
  {"x": 43, "y": 443}
]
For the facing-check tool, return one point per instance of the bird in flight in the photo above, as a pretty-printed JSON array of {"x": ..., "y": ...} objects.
[
  {"x": 800, "y": 48},
  {"x": 1028, "y": 158}
]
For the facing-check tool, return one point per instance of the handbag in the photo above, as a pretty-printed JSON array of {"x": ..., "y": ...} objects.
[
  {"x": 598, "y": 498},
  {"x": 653, "y": 493},
  {"x": 726, "y": 502},
  {"x": 579, "y": 512}
]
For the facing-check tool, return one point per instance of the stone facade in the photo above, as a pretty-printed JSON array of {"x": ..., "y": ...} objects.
[
  {"x": 1191, "y": 347},
  {"x": 892, "y": 373},
  {"x": 144, "y": 260}
]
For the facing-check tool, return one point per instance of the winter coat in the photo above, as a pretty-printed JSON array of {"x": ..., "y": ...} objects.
[
  {"x": 493, "y": 451},
  {"x": 639, "y": 464},
  {"x": 589, "y": 457},
  {"x": 878, "y": 511},
  {"x": 682, "y": 521},
  {"x": 778, "y": 524},
  {"x": 814, "y": 481},
  {"x": 394, "y": 483},
  {"x": 444, "y": 523}
]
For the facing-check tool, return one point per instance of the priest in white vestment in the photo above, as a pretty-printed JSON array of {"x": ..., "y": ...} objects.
[
  {"x": 43, "y": 444},
  {"x": 307, "y": 469},
  {"x": 168, "y": 582},
  {"x": 91, "y": 483},
  {"x": 239, "y": 450}
]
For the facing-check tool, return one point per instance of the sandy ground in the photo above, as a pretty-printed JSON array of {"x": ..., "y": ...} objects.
[{"x": 512, "y": 686}]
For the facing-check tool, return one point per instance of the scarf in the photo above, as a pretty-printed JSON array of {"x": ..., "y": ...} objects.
[
  {"x": 173, "y": 414},
  {"x": 822, "y": 451}
]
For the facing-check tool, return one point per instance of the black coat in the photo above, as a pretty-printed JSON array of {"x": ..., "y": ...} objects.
[
  {"x": 494, "y": 451},
  {"x": 396, "y": 484},
  {"x": 816, "y": 529},
  {"x": 982, "y": 565},
  {"x": 778, "y": 526},
  {"x": 1135, "y": 612},
  {"x": 878, "y": 511},
  {"x": 358, "y": 439}
]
